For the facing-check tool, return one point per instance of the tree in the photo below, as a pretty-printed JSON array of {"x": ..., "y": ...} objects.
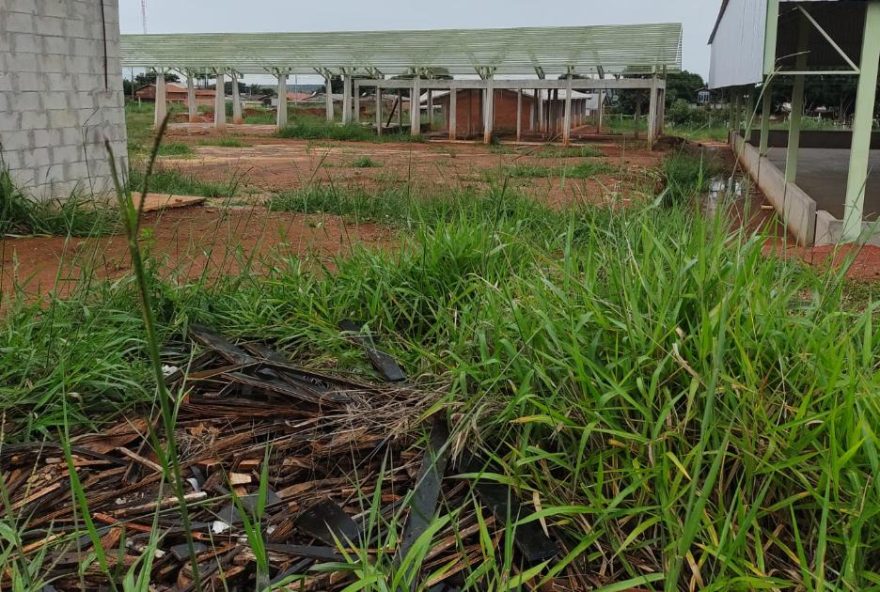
[
  {"x": 148, "y": 78},
  {"x": 683, "y": 85}
]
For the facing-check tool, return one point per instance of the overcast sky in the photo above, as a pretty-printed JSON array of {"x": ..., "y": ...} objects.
[{"x": 251, "y": 16}]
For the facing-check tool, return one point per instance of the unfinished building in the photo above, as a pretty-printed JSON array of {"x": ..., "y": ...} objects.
[
  {"x": 818, "y": 180},
  {"x": 539, "y": 61},
  {"x": 60, "y": 95}
]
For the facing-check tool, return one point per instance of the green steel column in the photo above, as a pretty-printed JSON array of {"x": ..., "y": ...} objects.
[
  {"x": 862, "y": 126},
  {"x": 731, "y": 107},
  {"x": 766, "y": 107},
  {"x": 749, "y": 123},
  {"x": 797, "y": 104},
  {"x": 794, "y": 130}
]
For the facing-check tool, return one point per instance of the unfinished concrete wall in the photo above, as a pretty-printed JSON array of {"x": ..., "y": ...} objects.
[{"x": 60, "y": 95}]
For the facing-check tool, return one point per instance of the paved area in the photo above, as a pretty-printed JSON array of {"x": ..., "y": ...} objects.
[{"x": 822, "y": 174}]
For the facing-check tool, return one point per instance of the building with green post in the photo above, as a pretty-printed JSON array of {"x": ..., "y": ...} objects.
[{"x": 817, "y": 179}]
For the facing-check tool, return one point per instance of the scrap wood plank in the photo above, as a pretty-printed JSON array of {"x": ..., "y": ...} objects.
[
  {"x": 233, "y": 354},
  {"x": 329, "y": 523},
  {"x": 282, "y": 388},
  {"x": 427, "y": 489},
  {"x": 384, "y": 364},
  {"x": 529, "y": 538}
]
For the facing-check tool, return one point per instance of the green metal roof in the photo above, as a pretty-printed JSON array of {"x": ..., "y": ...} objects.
[{"x": 632, "y": 49}]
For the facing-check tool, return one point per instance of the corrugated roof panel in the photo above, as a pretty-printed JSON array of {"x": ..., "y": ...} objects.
[{"x": 635, "y": 49}]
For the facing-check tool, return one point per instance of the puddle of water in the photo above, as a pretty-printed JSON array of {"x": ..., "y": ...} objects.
[{"x": 723, "y": 191}]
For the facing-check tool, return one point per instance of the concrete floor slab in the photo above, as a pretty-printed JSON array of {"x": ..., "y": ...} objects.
[{"x": 822, "y": 173}]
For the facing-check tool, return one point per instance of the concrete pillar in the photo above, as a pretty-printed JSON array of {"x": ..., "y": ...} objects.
[
  {"x": 161, "y": 108},
  {"x": 379, "y": 123},
  {"x": 191, "y": 103},
  {"x": 601, "y": 114},
  {"x": 519, "y": 101},
  {"x": 415, "y": 108},
  {"x": 220, "y": 100},
  {"x": 661, "y": 115},
  {"x": 346, "y": 99},
  {"x": 489, "y": 112},
  {"x": 766, "y": 107},
  {"x": 281, "y": 113},
  {"x": 237, "y": 116},
  {"x": 430, "y": 109},
  {"x": 566, "y": 120},
  {"x": 652, "y": 113},
  {"x": 357, "y": 102},
  {"x": 862, "y": 125},
  {"x": 328, "y": 97},
  {"x": 453, "y": 113},
  {"x": 400, "y": 111},
  {"x": 542, "y": 125}
]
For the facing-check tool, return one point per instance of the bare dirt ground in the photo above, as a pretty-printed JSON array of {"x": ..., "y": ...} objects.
[
  {"x": 189, "y": 242},
  {"x": 271, "y": 165}
]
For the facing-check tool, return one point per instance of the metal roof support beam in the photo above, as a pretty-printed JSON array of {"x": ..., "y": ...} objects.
[
  {"x": 862, "y": 125},
  {"x": 828, "y": 38},
  {"x": 577, "y": 84}
]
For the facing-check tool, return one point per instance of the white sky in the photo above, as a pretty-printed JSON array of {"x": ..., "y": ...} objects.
[{"x": 252, "y": 16}]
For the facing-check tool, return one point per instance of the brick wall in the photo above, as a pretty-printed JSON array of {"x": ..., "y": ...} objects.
[
  {"x": 469, "y": 118},
  {"x": 61, "y": 95}
]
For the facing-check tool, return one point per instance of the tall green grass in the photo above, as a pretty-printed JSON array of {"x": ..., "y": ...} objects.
[
  {"x": 688, "y": 412},
  {"x": 176, "y": 183},
  {"x": 76, "y": 216}
]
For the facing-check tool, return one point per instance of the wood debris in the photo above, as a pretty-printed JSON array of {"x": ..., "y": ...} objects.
[{"x": 329, "y": 444}]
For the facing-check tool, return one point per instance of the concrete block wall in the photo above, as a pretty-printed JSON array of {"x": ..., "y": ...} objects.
[{"x": 61, "y": 95}]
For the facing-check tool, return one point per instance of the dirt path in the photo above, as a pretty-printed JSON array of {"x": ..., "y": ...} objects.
[
  {"x": 188, "y": 242},
  {"x": 276, "y": 165}
]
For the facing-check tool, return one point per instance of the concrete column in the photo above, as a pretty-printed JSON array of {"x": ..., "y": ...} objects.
[
  {"x": 281, "y": 113},
  {"x": 566, "y": 120},
  {"x": 489, "y": 112},
  {"x": 766, "y": 107},
  {"x": 661, "y": 116},
  {"x": 357, "y": 101},
  {"x": 519, "y": 101},
  {"x": 346, "y": 99},
  {"x": 430, "y": 109},
  {"x": 328, "y": 97},
  {"x": 161, "y": 108},
  {"x": 191, "y": 103},
  {"x": 542, "y": 126},
  {"x": 379, "y": 123},
  {"x": 415, "y": 109},
  {"x": 453, "y": 113},
  {"x": 862, "y": 125},
  {"x": 400, "y": 111},
  {"x": 237, "y": 117},
  {"x": 220, "y": 100},
  {"x": 601, "y": 114},
  {"x": 652, "y": 114}
]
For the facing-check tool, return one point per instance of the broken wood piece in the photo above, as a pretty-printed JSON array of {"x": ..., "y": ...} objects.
[
  {"x": 328, "y": 523},
  {"x": 162, "y": 504},
  {"x": 183, "y": 553},
  {"x": 384, "y": 364},
  {"x": 427, "y": 488},
  {"x": 210, "y": 339}
]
